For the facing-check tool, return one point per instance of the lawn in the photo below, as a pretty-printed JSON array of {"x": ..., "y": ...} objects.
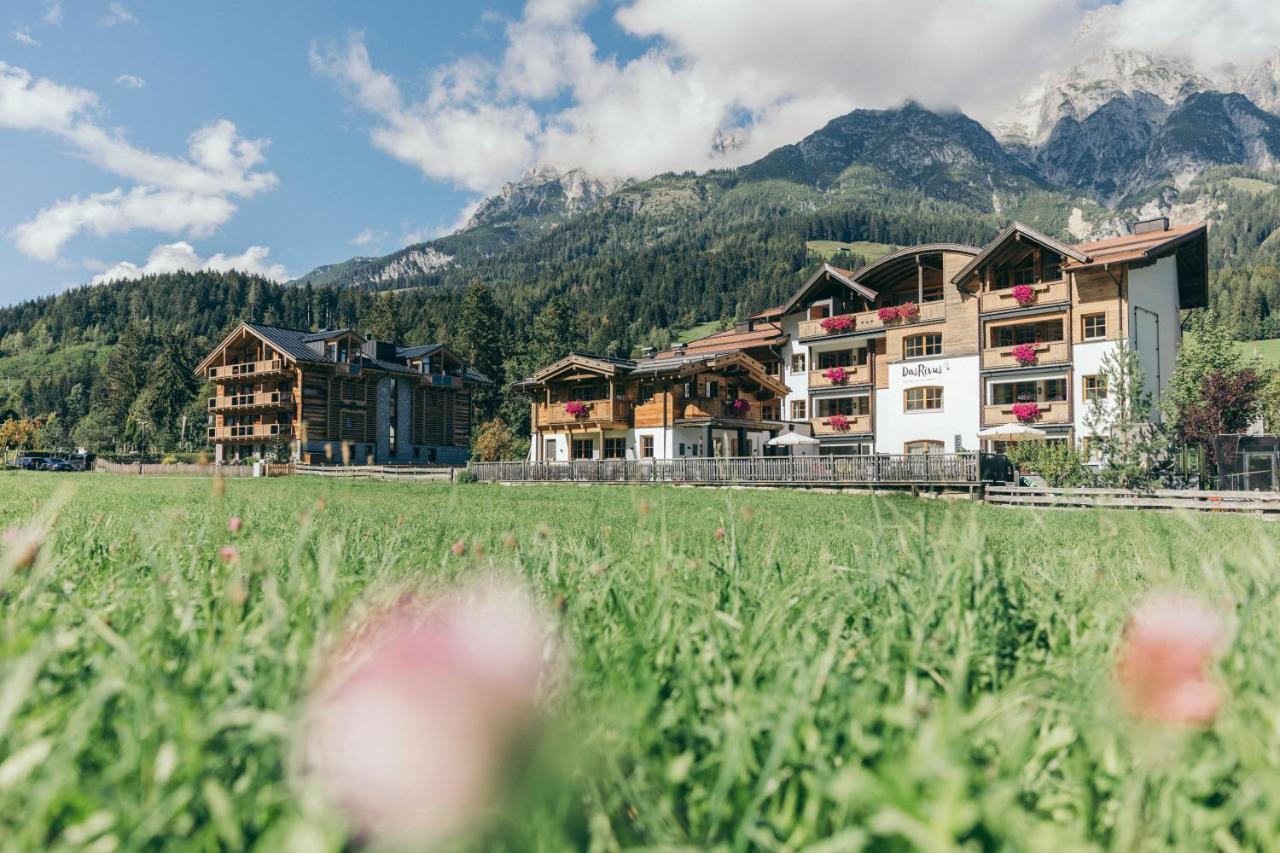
[
  {"x": 834, "y": 250},
  {"x": 836, "y": 672},
  {"x": 1268, "y": 351}
]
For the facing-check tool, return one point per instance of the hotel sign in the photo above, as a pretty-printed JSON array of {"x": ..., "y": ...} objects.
[{"x": 912, "y": 374}]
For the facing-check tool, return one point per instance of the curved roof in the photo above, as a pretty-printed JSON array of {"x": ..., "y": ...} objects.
[{"x": 894, "y": 259}]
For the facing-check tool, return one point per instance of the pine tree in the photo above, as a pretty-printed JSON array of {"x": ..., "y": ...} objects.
[
  {"x": 386, "y": 322},
  {"x": 127, "y": 372},
  {"x": 478, "y": 339},
  {"x": 173, "y": 383}
]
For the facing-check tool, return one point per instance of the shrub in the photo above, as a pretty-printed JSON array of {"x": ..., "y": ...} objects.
[{"x": 1060, "y": 464}]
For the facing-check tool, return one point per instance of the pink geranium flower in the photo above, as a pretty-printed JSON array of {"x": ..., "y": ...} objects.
[
  {"x": 1162, "y": 670},
  {"x": 413, "y": 727}
]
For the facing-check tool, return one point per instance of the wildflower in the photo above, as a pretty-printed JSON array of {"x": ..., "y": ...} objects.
[
  {"x": 719, "y": 534},
  {"x": 233, "y": 524},
  {"x": 1169, "y": 643},
  {"x": 458, "y": 548},
  {"x": 643, "y": 508},
  {"x": 22, "y": 546},
  {"x": 229, "y": 554},
  {"x": 412, "y": 730},
  {"x": 321, "y": 504},
  {"x": 509, "y": 541}
]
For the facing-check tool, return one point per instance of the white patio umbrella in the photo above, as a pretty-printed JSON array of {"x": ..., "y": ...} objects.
[
  {"x": 791, "y": 440},
  {"x": 1011, "y": 432}
]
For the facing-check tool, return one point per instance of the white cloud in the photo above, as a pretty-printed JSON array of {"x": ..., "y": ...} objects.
[
  {"x": 174, "y": 195},
  {"x": 133, "y": 81},
  {"x": 23, "y": 36},
  {"x": 53, "y": 13},
  {"x": 175, "y": 257},
  {"x": 770, "y": 72},
  {"x": 368, "y": 237},
  {"x": 117, "y": 14}
]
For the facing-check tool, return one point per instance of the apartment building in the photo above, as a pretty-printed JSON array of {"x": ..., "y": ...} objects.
[
  {"x": 335, "y": 396},
  {"x": 918, "y": 351}
]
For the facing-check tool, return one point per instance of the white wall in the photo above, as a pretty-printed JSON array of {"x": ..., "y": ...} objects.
[
  {"x": 1086, "y": 361},
  {"x": 1155, "y": 288},
  {"x": 960, "y": 404},
  {"x": 798, "y": 383}
]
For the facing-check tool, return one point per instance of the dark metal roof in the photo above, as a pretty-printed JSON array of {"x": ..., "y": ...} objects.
[
  {"x": 418, "y": 352},
  {"x": 324, "y": 334},
  {"x": 292, "y": 342}
]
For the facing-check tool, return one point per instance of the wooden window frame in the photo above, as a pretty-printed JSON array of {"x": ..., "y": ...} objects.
[
  {"x": 799, "y": 361},
  {"x": 926, "y": 344},
  {"x": 646, "y": 447},
  {"x": 799, "y": 410},
  {"x": 930, "y": 445},
  {"x": 1084, "y": 326},
  {"x": 925, "y": 399},
  {"x": 612, "y": 442},
  {"x": 1092, "y": 388},
  {"x": 573, "y": 448}
]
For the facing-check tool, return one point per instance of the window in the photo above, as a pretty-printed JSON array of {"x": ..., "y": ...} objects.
[
  {"x": 797, "y": 362},
  {"x": 919, "y": 448},
  {"x": 1095, "y": 326},
  {"x": 682, "y": 448},
  {"x": 647, "y": 391},
  {"x": 1093, "y": 389},
  {"x": 646, "y": 447},
  {"x": 1046, "y": 331},
  {"x": 918, "y": 346},
  {"x": 615, "y": 448},
  {"x": 797, "y": 410},
  {"x": 768, "y": 412},
  {"x": 1051, "y": 266},
  {"x": 712, "y": 390},
  {"x": 928, "y": 398},
  {"x": 818, "y": 312},
  {"x": 1029, "y": 391},
  {"x": 583, "y": 448},
  {"x": 847, "y": 406},
  {"x": 835, "y": 358}
]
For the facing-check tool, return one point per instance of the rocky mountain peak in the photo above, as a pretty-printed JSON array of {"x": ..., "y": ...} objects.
[{"x": 544, "y": 191}]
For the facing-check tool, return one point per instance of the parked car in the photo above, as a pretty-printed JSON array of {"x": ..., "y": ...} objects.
[
  {"x": 53, "y": 463},
  {"x": 82, "y": 461},
  {"x": 29, "y": 463}
]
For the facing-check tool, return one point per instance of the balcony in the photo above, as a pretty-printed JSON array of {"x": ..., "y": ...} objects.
[
  {"x": 858, "y": 425},
  {"x": 1002, "y": 357},
  {"x": 1046, "y": 293},
  {"x": 258, "y": 400},
  {"x": 1050, "y": 413},
  {"x": 856, "y": 374},
  {"x": 247, "y": 368},
  {"x": 702, "y": 409},
  {"x": 868, "y": 321},
  {"x": 597, "y": 412},
  {"x": 249, "y": 432}
]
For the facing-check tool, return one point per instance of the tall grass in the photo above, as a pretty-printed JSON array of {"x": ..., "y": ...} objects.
[{"x": 837, "y": 672}]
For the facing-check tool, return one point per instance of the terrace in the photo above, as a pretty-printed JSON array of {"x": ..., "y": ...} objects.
[
  {"x": 247, "y": 368},
  {"x": 870, "y": 321},
  {"x": 256, "y": 400}
]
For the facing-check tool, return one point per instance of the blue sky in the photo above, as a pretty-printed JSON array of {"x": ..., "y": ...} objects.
[{"x": 317, "y": 122}]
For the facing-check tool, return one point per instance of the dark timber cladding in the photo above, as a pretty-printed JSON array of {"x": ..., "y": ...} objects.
[{"x": 335, "y": 395}]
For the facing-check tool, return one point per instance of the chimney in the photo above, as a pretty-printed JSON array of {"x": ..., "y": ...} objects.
[
  {"x": 1149, "y": 226},
  {"x": 646, "y": 352}
]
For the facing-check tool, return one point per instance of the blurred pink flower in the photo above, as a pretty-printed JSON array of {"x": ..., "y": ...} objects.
[
  {"x": 229, "y": 554},
  {"x": 411, "y": 730},
  {"x": 22, "y": 545},
  {"x": 458, "y": 548},
  {"x": 1169, "y": 643},
  {"x": 233, "y": 524},
  {"x": 719, "y": 534}
]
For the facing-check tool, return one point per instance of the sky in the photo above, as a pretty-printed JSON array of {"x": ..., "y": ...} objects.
[{"x": 153, "y": 135}]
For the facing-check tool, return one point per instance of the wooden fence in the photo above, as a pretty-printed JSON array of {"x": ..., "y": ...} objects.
[
  {"x": 438, "y": 473},
  {"x": 182, "y": 469},
  {"x": 1267, "y": 503},
  {"x": 937, "y": 469}
]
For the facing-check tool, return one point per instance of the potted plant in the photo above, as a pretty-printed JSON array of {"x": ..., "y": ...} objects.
[
  {"x": 1024, "y": 354},
  {"x": 740, "y": 406},
  {"x": 1026, "y": 412},
  {"x": 836, "y": 375},
  {"x": 575, "y": 408},
  {"x": 887, "y": 315},
  {"x": 1024, "y": 294},
  {"x": 839, "y": 423},
  {"x": 908, "y": 311},
  {"x": 835, "y": 325}
]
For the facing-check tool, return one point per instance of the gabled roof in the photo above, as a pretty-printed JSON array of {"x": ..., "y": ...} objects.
[
  {"x": 1016, "y": 231},
  {"x": 733, "y": 340},
  {"x": 845, "y": 277},
  {"x": 1135, "y": 247},
  {"x": 326, "y": 334},
  {"x": 291, "y": 342},
  {"x": 657, "y": 366}
]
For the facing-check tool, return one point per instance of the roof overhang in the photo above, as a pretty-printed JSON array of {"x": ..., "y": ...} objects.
[
  {"x": 242, "y": 327},
  {"x": 1190, "y": 246},
  {"x": 893, "y": 263},
  {"x": 819, "y": 277},
  {"x": 1014, "y": 233}
]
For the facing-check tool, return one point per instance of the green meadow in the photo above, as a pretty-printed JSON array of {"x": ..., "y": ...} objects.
[{"x": 837, "y": 672}]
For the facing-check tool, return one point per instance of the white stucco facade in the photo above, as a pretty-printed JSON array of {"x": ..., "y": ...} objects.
[{"x": 896, "y": 428}]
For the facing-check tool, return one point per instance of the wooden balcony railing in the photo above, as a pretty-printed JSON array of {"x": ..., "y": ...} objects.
[
  {"x": 870, "y": 320},
  {"x": 697, "y": 409},
  {"x": 249, "y": 432},
  {"x": 597, "y": 411},
  {"x": 257, "y": 400},
  {"x": 1045, "y": 293},
  {"x": 247, "y": 368},
  {"x": 857, "y": 374},
  {"x": 857, "y": 425},
  {"x": 1058, "y": 412},
  {"x": 1046, "y": 353}
]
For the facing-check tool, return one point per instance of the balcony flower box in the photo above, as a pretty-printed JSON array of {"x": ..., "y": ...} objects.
[
  {"x": 1026, "y": 412},
  {"x": 887, "y": 315},
  {"x": 1024, "y": 354},
  {"x": 836, "y": 375},
  {"x": 740, "y": 406},
  {"x": 1023, "y": 294},
  {"x": 839, "y": 423},
  {"x": 575, "y": 408},
  {"x": 908, "y": 311},
  {"x": 837, "y": 325}
]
